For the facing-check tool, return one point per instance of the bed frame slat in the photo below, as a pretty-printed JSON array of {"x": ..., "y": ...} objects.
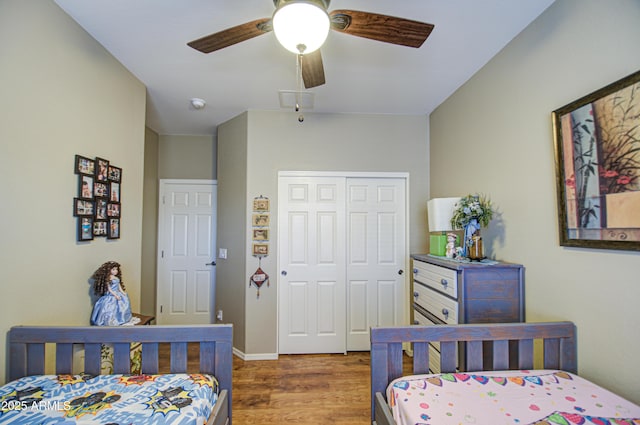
[
  {"x": 551, "y": 353},
  {"x": 420, "y": 358},
  {"x": 501, "y": 355},
  {"x": 64, "y": 358},
  {"x": 35, "y": 359},
  {"x": 178, "y": 357},
  {"x": 525, "y": 354},
  {"x": 150, "y": 360},
  {"x": 92, "y": 358},
  {"x": 386, "y": 348},
  {"x": 448, "y": 357},
  {"x": 121, "y": 357},
  {"x": 475, "y": 359}
]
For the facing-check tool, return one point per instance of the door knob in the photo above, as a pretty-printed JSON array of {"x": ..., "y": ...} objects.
[
  {"x": 400, "y": 271},
  {"x": 213, "y": 263},
  {"x": 283, "y": 272}
]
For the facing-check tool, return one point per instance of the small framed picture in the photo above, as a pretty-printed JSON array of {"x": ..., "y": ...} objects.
[
  {"x": 261, "y": 204},
  {"x": 102, "y": 170},
  {"x": 113, "y": 210},
  {"x": 114, "y": 192},
  {"x": 261, "y": 234},
  {"x": 100, "y": 228},
  {"x": 113, "y": 231},
  {"x": 83, "y": 207},
  {"x": 260, "y": 220},
  {"x": 84, "y": 165},
  {"x": 115, "y": 174},
  {"x": 85, "y": 190},
  {"x": 100, "y": 189},
  {"x": 85, "y": 228},
  {"x": 261, "y": 249},
  {"x": 101, "y": 209}
]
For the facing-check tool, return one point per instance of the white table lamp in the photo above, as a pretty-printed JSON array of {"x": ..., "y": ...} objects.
[{"x": 440, "y": 211}]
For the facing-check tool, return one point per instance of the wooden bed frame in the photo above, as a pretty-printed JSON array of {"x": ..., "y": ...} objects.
[
  {"x": 559, "y": 352},
  {"x": 27, "y": 352}
]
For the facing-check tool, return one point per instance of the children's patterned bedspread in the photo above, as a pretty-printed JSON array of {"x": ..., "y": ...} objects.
[
  {"x": 510, "y": 397},
  {"x": 109, "y": 399}
]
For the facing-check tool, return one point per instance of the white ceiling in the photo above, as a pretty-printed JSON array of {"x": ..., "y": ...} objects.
[{"x": 362, "y": 76}]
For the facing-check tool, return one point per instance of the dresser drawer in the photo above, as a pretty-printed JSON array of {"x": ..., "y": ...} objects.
[
  {"x": 434, "y": 349},
  {"x": 435, "y": 303},
  {"x": 436, "y": 277}
]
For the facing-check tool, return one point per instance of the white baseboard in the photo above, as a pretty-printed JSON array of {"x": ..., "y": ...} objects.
[{"x": 250, "y": 357}]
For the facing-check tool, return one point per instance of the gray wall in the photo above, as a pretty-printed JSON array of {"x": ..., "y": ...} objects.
[
  {"x": 494, "y": 136},
  {"x": 149, "y": 224},
  {"x": 276, "y": 141},
  {"x": 231, "y": 285},
  {"x": 61, "y": 94},
  {"x": 167, "y": 157},
  {"x": 187, "y": 157}
]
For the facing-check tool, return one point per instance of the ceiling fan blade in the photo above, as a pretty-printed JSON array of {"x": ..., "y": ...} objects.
[
  {"x": 312, "y": 69},
  {"x": 378, "y": 27},
  {"x": 231, "y": 36}
]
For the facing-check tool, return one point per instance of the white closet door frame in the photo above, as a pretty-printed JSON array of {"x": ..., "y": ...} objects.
[{"x": 396, "y": 175}]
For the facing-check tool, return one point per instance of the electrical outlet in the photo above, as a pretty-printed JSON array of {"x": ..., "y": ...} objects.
[{"x": 219, "y": 315}]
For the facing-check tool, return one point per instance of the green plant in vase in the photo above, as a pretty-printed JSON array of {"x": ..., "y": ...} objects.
[{"x": 471, "y": 213}]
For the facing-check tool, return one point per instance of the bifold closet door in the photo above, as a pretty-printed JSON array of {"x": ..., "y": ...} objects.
[
  {"x": 311, "y": 237},
  {"x": 341, "y": 243},
  {"x": 376, "y": 257}
]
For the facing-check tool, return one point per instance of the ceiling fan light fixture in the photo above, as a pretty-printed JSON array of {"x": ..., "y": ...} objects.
[{"x": 301, "y": 27}]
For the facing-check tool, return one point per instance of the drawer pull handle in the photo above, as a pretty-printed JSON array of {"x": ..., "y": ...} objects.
[
  {"x": 445, "y": 312},
  {"x": 416, "y": 294},
  {"x": 444, "y": 282},
  {"x": 415, "y": 271}
]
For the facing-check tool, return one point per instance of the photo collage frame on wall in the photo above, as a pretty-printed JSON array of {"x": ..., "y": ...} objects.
[{"x": 98, "y": 206}]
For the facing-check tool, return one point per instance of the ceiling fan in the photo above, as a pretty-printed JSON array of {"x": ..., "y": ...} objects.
[{"x": 369, "y": 25}]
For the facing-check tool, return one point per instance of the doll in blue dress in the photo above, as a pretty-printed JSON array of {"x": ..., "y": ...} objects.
[{"x": 113, "y": 307}]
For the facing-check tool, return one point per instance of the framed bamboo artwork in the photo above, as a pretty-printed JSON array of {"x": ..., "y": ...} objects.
[{"x": 597, "y": 148}]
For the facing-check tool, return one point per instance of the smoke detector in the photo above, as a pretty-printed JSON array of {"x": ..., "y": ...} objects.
[{"x": 198, "y": 103}]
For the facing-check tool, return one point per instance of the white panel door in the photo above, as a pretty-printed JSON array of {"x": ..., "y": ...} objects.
[
  {"x": 376, "y": 257},
  {"x": 186, "y": 252},
  {"x": 312, "y": 292}
]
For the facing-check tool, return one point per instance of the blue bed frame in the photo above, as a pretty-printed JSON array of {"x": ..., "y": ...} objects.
[
  {"x": 27, "y": 352},
  {"x": 558, "y": 341}
]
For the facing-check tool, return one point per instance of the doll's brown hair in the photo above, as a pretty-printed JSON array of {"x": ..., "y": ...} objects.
[{"x": 102, "y": 275}]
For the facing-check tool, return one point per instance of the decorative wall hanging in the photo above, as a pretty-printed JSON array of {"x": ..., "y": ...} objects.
[
  {"x": 597, "y": 141},
  {"x": 258, "y": 279},
  {"x": 260, "y": 221},
  {"x": 97, "y": 206},
  {"x": 260, "y": 247}
]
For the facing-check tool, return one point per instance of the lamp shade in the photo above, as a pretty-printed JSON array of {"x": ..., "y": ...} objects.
[
  {"x": 301, "y": 27},
  {"x": 440, "y": 211}
]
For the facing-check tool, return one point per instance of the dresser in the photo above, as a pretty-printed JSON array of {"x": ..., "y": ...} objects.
[{"x": 450, "y": 292}]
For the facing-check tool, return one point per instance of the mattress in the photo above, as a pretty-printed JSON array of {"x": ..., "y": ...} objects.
[
  {"x": 508, "y": 397},
  {"x": 109, "y": 399}
]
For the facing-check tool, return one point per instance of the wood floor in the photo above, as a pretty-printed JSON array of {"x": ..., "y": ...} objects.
[
  {"x": 302, "y": 389},
  {"x": 297, "y": 389}
]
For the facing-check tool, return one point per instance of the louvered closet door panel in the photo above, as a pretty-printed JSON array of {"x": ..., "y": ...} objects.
[{"x": 376, "y": 295}]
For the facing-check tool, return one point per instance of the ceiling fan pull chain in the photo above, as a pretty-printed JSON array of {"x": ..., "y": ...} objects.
[{"x": 299, "y": 86}]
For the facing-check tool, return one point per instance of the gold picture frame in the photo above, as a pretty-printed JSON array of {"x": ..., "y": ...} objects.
[
  {"x": 261, "y": 204},
  {"x": 260, "y": 249}
]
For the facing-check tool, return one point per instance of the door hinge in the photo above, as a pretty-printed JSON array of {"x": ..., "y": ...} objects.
[{"x": 160, "y": 309}]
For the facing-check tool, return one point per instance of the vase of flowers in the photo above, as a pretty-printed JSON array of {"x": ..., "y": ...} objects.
[{"x": 470, "y": 214}]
